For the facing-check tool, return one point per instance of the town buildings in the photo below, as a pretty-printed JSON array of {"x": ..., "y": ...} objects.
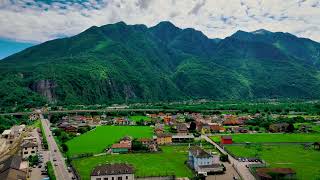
[
  {"x": 119, "y": 171},
  {"x": 29, "y": 149}
]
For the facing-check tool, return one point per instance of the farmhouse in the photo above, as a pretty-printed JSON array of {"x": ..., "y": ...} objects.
[
  {"x": 280, "y": 173},
  {"x": 29, "y": 149},
  {"x": 203, "y": 162},
  {"x": 118, "y": 171},
  {"x": 120, "y": 148},
  {"x": 226, "y": 139},
  {"x": 164, "y": 139}
]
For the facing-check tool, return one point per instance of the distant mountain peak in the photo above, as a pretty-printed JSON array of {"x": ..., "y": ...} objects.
[
  {"x": 261, "y": 31},
  {"x": 167, "y": 24}
]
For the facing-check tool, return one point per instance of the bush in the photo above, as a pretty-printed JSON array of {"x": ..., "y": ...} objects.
[{"x": 224, "y": 158}]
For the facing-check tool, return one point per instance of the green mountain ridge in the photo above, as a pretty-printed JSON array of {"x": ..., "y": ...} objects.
[{"x": 132, "y": 63}]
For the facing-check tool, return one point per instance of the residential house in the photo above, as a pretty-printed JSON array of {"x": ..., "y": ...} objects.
[
  {"x": 226, "y": 139},
  {"x": 13, "y": 169},
  {"x": 29, "y": 149},
  {"x": 167, "y": 119},
  {"x": 148, "y": 142},
  {"x": 182, "y": 129},
  {"x": 216, "y": 128},
  {"x": 126, "y": 140},
  {"x": 118, "y": 171},
  {"x": 163, "y": 139},
  {"x": 280, "y": 173},
  {"x": 203, "y": 162},
  {"x": 121, "y": 121}
]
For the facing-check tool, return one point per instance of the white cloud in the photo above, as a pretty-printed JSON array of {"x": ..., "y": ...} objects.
[{"x": 30, "y": 20}]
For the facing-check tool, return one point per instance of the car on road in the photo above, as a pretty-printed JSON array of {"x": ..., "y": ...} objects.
[
  {"x": 55, "y": 150},
  {"x": 55, "y": 164},
  {"x": 69, "y": 169},
  {"x": 54, "y": 159}
]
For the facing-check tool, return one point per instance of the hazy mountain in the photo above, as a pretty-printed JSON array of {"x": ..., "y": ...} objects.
[
  {"x": 119, "y": 62},
  {"x": 9, "y": 47}
]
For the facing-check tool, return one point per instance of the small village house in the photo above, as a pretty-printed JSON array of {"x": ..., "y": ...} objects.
[
  {"x": 119, "y": 171},
  {"x": 164, "y": 139},
  {"x": 126, "y": 140},
  {"x": 226, "y": 139}
]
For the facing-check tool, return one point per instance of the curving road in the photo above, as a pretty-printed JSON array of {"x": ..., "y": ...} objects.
[{"x": 56, "y": 158}]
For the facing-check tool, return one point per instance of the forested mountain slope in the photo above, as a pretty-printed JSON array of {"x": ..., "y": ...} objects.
[{"x": 120, "y": 62}]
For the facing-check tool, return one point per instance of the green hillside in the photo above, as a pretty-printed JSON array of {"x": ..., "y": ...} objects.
[{"x": 127, "y": 63}]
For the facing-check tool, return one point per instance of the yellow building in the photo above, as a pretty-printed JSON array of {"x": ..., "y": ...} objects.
[{"x": 164, "y": 139}]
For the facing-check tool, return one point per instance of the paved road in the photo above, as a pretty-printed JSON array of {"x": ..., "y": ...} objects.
[
  {"x": 59, "y": 165},
  {"x": 239, "y": 166}
]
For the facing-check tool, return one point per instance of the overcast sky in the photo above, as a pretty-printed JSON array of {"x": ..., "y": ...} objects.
[{"x": 42, "y": 20}]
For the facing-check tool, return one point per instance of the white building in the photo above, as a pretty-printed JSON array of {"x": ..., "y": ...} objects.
[
  {"x": 28, "y": 149},
  {"x": 119, "y": 171},
  {"x": 203, "y": 162}
]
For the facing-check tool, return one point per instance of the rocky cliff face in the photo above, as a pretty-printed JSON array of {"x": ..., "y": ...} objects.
[{"x": 46, "y": 89}]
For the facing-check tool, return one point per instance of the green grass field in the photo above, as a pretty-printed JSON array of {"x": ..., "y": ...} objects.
[
  {"x": 168, "y": 162},
  {"x": 305, "y": 162},
  {"x": 268, "y": 137},
  {"x": 95, "y": 141},
  {"x": 139, "y": 118}
]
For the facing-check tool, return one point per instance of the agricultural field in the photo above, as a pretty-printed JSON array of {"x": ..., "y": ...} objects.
[
  {"x": 139, "y": 118},
  {"x": 168, "y": 162},
  {"x": 306, "y": 162},
  {"x": 272, "y": 137},
  {"x": 96, "y": 140}
]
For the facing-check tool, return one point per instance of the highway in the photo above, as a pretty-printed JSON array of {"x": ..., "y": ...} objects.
[{"x": 56, "y": 158}]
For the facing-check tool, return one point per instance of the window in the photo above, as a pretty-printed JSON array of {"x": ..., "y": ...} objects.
[
  {"x": 112, "y": 178},
  {"x": 98, "y": 179},
  {"x": 119, "y": 178},
  {"x": 126, "y": 177},
  {"x": 105, "y": 178}
]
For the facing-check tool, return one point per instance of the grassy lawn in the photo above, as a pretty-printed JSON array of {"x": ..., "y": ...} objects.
[
  {"x": 96, "y": 140},
  {"x": 305, "y": 162},
  {"x": 139, "y": 118},
  {"x": 268, "y": 137},
  {"x": 169, "y": 161}
]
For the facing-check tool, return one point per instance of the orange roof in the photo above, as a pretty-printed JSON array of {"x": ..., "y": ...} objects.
[{"x": 121, "y": 145}]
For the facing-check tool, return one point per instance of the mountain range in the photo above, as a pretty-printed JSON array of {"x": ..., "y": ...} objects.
[{"x": 133, "y": 63}]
